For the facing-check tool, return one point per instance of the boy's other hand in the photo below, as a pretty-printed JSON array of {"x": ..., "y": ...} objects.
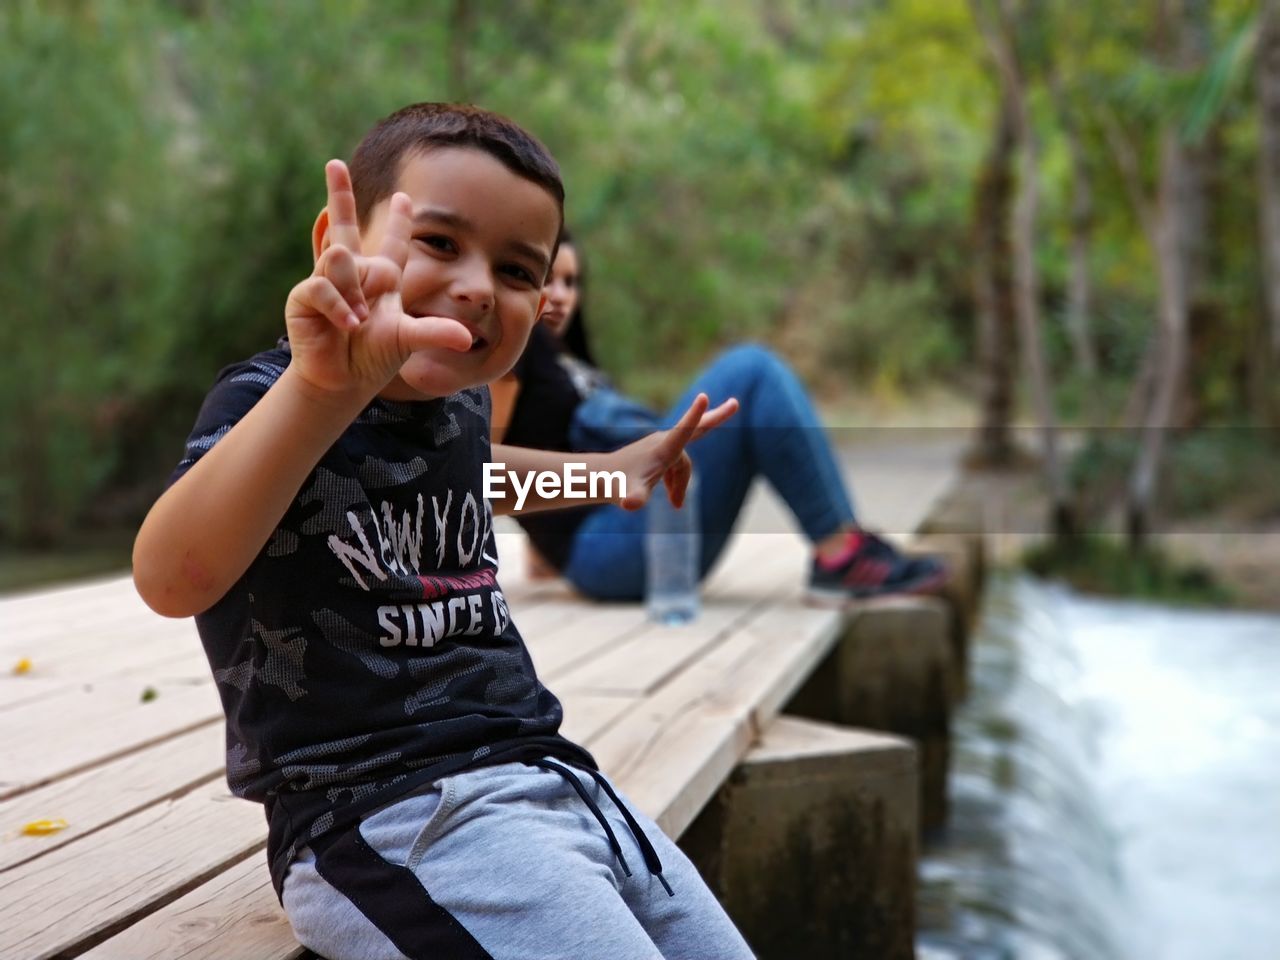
[
  {"x": 661, "y": 456},
  {"x": 346, "y": 322}
]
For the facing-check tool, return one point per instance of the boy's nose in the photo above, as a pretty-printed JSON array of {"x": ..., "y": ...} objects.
[{"x": 474, "y": 285}]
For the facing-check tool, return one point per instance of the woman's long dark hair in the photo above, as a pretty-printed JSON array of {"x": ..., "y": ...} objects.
[{"x": 574, "y": 339}]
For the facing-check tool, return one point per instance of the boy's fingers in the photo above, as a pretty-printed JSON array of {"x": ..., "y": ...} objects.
[
  {"x": 378, "y": 275},
  {"x": 421, "y": 333},
  {"x": 344, "y": 230},
  {"x": 338, "y": 266},
  {"x": 395, "y": 239},
  {"x": 318, "y": 295}
]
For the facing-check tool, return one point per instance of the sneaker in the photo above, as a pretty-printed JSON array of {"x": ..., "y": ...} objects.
[{"x": 870, "y": 567}]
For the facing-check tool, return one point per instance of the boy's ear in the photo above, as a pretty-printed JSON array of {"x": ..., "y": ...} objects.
[
  {"x": 542, "y": 305},
  {"x": 320, "y": 233}
]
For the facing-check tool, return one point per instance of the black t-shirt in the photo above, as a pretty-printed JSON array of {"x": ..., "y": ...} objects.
[
  {"x": 552, "y": 385},
  {"x": 368, "y": 648}
]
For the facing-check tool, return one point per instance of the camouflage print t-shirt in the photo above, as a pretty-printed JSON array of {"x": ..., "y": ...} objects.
[{"x": 368, "y": 649}]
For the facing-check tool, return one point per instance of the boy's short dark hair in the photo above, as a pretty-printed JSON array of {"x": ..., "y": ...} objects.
[{"x": 420, "y": 127}]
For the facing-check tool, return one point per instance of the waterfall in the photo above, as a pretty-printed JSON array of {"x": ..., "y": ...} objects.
[{"x": 1114, "y": 790}]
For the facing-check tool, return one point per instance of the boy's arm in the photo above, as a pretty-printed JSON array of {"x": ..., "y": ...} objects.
[
  {"x": 348, "y": 336},
  {"x": 659, "y": 457},
  {"x": 205, "y": 530}
]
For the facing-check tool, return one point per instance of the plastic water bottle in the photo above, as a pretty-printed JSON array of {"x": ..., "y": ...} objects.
[{"x": 673, "y": 550}]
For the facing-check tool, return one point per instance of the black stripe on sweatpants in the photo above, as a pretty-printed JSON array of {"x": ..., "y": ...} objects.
[{"x": 393, "y": 899}]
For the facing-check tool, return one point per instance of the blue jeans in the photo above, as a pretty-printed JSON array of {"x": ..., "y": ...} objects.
[{"x": 776, "y": 435}]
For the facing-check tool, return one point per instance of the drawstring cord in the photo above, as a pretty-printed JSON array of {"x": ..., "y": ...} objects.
[
  {"x": 650, "y": 855},
  {"x": 590, "y": 804},
  {"x": 651, "y": 859}
]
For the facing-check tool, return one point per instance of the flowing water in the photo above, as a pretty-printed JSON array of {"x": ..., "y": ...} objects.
[{"x": 1115, "y": 786}]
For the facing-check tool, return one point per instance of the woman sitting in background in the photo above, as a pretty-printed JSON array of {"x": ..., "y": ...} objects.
[{"x": 557, "y": 399}]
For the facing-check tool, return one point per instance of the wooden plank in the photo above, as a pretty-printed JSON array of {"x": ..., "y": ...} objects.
[
  {"x": 787, "y": 663},
  {"x": 652, "y": 654},
  {"x": 85, "y": 602},
  {"x": 19, "y": 608},
  {"x": 557, "y": 652},
  {"x": 59, "y": 675},
  {"x": 587, "y": 717},
  {"x": 235, "y": 915},
  {"x": 98, "y": 797},
  {"x": 144, "y": 643},
  {"x": 65, "y": 638},
  {"x": 105, "y": 794},
  {"x": 124, "y": 619},
  {"x": 29, "y": 621},
  {"x": 60, "y": 631},
  {"x": 209, "y": 921},
  {"x": 70, "y": 732},
  {"x": 222, "y": 905},
  {"x": 754, "y": 561},
  {"x": 559, "y": 648},
  {"x": 86, "y": 890},
  {"x": 677, "y": 746},
  {"x": 113, "y": 615},
  {"x": 117, "y": 617},
  {"x": 549, "y": 616}
]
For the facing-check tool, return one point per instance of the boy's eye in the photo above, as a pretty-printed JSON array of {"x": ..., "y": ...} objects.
[
  {"x": 517, "y": 272},
  {"x": 439, "y": 242}
]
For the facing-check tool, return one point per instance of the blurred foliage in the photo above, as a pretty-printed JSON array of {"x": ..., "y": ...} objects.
[
  {"x": 1106, "y": 565},
  {"x": 799, "y": 171},
  {"x": 891, "y": 330},
  {"x": 1236, "y": 469}
]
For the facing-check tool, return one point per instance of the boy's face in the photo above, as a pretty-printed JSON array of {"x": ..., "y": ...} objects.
[{"x": 480, "y": 244}]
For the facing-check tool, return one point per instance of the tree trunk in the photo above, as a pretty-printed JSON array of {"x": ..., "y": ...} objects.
[
  {"x": 1268, "y": 80},
  {"x": 1026, "y": 286},
  {"x": 1171, "y": 354},
  {"x": 1139, "y": 402},
  {"x": 1191, "y": 43},
  {"x": 993, "y": 294},
  {"x": 1079, "y": 283},
  {"x": 1080, "y": 287},
  {"x": 1179, "y": 204},
  {"x": 1202, "y": 158}
]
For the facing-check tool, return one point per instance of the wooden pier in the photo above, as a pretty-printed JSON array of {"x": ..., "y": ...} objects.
[{"x": 116, "y": 729}]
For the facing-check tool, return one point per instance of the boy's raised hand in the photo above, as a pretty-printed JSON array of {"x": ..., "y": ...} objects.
[
  {"x": 661, "y": 456},
  {"x": 347, "y": 327}
]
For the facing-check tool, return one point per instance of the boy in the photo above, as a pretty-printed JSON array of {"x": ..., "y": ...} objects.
[{"x": 327, "y": 529}]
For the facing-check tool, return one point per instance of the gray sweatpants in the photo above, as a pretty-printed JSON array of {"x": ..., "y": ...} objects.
[{"x": 508, "y": 861}]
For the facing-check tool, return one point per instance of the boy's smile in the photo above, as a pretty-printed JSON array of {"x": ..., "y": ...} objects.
[{"x": 479, "y": 250}]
